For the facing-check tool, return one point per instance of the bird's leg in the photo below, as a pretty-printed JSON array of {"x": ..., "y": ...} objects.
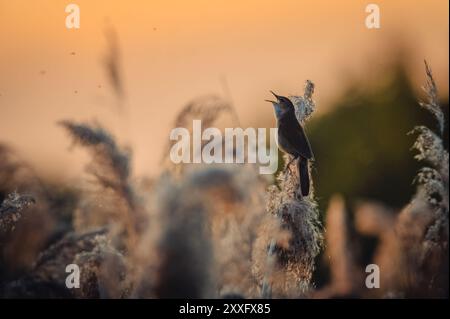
[{"x": 288, "y": 166}]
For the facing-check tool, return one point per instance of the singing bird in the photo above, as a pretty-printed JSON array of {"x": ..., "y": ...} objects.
[{"x": 292, "y": 139}]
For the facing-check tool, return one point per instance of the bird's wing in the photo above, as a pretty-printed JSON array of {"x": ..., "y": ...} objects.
[{"x": 296, "y": 136}]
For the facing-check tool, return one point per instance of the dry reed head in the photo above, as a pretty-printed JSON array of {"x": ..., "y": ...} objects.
[
  {"x": 304, "y": 105},
  {"x": 104, "y": 272},
  {"x": 432, "y": 104},
  {"x": 208, "y": 109},
  {"x": 433, "y": 191},
  {"x": 102, "y": 267},
  {"x": 211, "y": 110},
  {"x": 111, "y": 165},
  {"x": 299, "y": 217},
  {"x": 11, "y": 210},
  {"x": 112, "y": 63},
  {"x": 117, "y": 198},
  {"x": 21, "y": 246},
  {"x": 174, "y": 254}
]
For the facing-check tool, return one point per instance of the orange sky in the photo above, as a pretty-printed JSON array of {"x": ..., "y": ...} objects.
[{"x": 173, "y": 51}]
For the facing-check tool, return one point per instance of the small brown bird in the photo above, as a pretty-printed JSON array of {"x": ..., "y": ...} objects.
[{"x": 292, "y": 139}]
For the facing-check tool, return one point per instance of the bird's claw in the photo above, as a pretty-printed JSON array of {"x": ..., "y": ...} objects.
[{"x": 288, "y": 166}]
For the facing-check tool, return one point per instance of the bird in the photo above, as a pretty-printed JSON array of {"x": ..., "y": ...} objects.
[{"x": 292, "y": 139}]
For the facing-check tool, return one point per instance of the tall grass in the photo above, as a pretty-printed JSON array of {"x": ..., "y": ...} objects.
[{"x": 217, "y": 231}]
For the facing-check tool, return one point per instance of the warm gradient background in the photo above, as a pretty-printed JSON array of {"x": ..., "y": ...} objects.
[{"x": 173, "y": 51}]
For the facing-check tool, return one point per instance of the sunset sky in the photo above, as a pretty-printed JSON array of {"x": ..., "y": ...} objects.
[{"x": 173, "y": 51}]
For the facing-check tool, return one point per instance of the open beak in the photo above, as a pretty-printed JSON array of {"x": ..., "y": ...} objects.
[{"x": 276, "y": 96}]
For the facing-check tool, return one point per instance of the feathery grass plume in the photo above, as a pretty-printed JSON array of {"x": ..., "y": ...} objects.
[
  {"x": 111, "y": 164},
  {"x": 345, "y": 275},
  {"x": 432, "y": 104},
  {"x": 21, "y": 246},
  {"x": 111, "y": 168},
  {"x": 433, "y": 181},
  {"x": 104, "y": 272},
  {"x": 112, "y": 62},
  {"x": 11, "y": 209},
  {"x": 304, "y": 105},
  {"x": 177, "y": 257},
  {"x": 411, "y": 278},
  {"x": 51, "y": 263},
  {"x": 206, "y": 108},
  {"x": 423, "y": 227},
  {"x": 102, "y": 268},
  {"x": 300, "y": 217},
  {"x": 185, "y": 242},
  {"x": 210, "y": 109}
]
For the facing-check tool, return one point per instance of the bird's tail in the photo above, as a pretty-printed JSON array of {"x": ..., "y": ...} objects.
[{"x": 303, "y": 172}]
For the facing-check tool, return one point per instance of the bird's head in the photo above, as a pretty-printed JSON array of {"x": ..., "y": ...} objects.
[{"x": 282, "y": 105}]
